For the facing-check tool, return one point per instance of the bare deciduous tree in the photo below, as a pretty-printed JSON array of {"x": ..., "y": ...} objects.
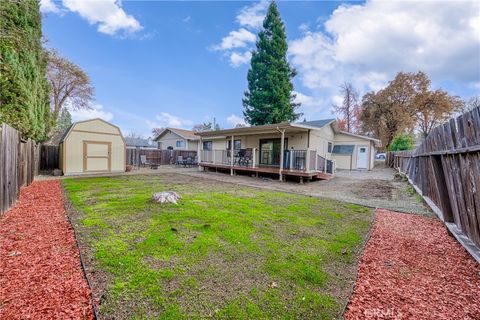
[
  {"x": 470, "y": 104},
  {"x": 349, "y": 109},
  {"x": 68, "y": 83},
  {"x": 432, "y": 107},
  {"x": 156, "y": 131}
]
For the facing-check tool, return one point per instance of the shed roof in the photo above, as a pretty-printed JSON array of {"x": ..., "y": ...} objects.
[{"x": 70, "y": 128}]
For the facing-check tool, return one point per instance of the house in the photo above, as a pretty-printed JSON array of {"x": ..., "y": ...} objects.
[
  {"x": 133, "y": 142},
  {"x": 311, "y": 149},
  {"x": 177, "y": 139},
  {"x": 92, "y": 146}
]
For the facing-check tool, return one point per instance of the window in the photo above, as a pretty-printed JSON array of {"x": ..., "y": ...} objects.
[
  {"x": 330, "y": 147},
  {"x": 363, "y": 150},
  {"x": 180, "y": 144},
  {"x": 207, "y": 145},
  {"x": 343, "y": 149},
  {"x": 237, "y": 144}
]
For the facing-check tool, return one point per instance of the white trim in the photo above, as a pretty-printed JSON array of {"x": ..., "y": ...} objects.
[{"x": 358, "y": 136}]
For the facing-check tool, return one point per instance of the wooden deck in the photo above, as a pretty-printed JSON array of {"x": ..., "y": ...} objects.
[{"x": 271, "y": 170}]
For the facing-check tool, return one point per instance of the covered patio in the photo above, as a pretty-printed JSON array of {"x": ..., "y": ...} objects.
[{"x": 282, "y": 149}]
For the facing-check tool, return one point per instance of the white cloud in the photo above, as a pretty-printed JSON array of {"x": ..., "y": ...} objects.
[
  {"x": 48, "y": 6},
  {"x": 233, "y": 120},
  {"x": 252, "y": 15},
  {"x": 368, "y": 44},
  {"x": 250, "y": 19},
  {"x": 311, "y": 107},
  {"x": 108, "y": 14},
  {"x": 96, "y": 111},
  {"x": 304, "y": 27},
  {"x": 165, "y": 119},
  {"x": 236, "y": 39},
  {"x": 237, "y": 59}
]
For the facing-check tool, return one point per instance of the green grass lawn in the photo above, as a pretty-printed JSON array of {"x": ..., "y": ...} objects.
[{"x": 225, "y": 251}]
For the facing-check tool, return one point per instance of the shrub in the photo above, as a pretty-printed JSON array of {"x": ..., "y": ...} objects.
[{"x": 402, "y": 142}]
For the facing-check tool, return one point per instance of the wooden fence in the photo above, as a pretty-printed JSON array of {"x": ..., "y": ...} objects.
[
  {"x": 49, "y": 157},
  {"x": 445, "y": 170},
  {"x": 19, "y": 163},
  {"x": 156, "y": 156}
]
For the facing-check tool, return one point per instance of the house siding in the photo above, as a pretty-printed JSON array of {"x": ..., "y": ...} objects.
[
  {"x": 319, "y": 140},
  {"x": 350, "y": 162},
  {"x": 169, "y": 139}
]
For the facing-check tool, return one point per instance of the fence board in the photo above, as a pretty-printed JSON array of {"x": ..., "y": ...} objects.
[
  {"x": 18, "y": 165},
  {"x": 156, "y": 156},
  {"x": 446, "y": 170},
  {"x": 49, "y": 159}
]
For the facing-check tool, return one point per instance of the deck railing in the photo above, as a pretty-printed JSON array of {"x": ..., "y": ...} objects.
[{"x": 301, "y": 160}]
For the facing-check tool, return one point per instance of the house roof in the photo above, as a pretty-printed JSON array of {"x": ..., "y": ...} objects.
[
  {"x": 317, "y": 123},
  {"x": 186, "y": 134},
  {"x": 137, "y": 142},
  {"x": 377, "y": 141},
  {"x": 289, "y": 126}
]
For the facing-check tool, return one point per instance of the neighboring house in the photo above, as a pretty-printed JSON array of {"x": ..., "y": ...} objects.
[
  {"x": 139, "y": 143},
  {"x": 177, "y": 139},
  {"x": 311, "y": 149}
]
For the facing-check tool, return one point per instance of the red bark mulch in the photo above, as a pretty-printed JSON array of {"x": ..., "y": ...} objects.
[
  {"x": 412, "y": 269},
  {"x": 40, "y": 273}
]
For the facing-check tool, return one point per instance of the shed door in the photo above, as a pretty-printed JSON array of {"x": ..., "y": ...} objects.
[
  {"x": 96, "y": 156},
  {"x": 362, "y": 158}
]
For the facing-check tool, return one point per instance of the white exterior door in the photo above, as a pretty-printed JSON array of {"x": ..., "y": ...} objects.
[{"x": 362, "y": 158}]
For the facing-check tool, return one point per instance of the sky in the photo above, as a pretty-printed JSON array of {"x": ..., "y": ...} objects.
[{"x": 181, "y": 63}]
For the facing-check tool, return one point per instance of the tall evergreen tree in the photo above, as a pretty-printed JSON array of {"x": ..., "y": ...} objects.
[
  {"x": 24, "y": 102},
  {"x": 64, "y": 120},
  {"x": 269, "y": 98}
]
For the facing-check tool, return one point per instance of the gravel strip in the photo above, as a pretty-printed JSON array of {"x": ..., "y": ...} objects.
[
  {"x": 412, "y": 269},
  {"x": 40, "y": 274}
]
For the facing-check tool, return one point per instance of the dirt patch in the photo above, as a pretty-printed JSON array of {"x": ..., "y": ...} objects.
[
  {"x": 376, "y": 189},
  {"x": 40, "y": 274},
  {"x": 412, "y": 269}
]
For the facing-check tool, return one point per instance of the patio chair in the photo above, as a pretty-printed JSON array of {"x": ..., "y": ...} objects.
[
  {"x": 248, "y": 157},
  {"x": 179, "y": 161},
  {"x": 239, "y": 157},
  {"x": 189, "y": 162},
  {"x": 143, "y": 161}
]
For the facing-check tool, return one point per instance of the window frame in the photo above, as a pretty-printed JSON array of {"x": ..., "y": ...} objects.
[
  {"x": 329, "y": 147},
  {"x": 181, "y": 142},
  {"x": 229, "y": 142},
  {"x": 207, "y": 142}
]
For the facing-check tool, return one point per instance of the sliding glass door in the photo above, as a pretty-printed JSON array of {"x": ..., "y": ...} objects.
[{"x": 270, "y": 151}]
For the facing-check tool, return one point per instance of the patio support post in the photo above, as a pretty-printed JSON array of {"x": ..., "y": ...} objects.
[
  {"x": 253, "y": 157},
  {"x": 231, "y": 155},
  {"x": 199, "y": 150},
  {"x": 291, "y": 159},
  {"x": 282, "y": 146},
  {"x": 307, "y": 161}
]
